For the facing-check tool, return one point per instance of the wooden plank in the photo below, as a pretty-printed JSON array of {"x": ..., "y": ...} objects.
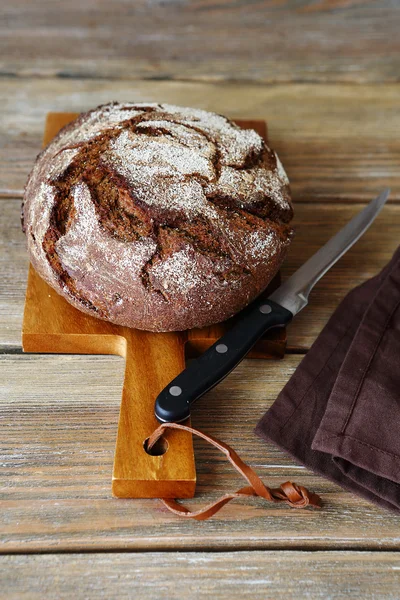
[
  {"x": 14, "y": 265},
  {"x": 59, "y": 415},
  {"x": 314, "y": 225},
  {"x": 276, "y": 41},
  {"x": 259, "y": 575},
  {"x": 337, "y": 142}
]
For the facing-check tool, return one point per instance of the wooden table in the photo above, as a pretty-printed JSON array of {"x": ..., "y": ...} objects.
[{"x": 324, "y": 73}]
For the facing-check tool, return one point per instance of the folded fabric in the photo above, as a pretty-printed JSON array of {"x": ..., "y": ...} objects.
[{"x": 339, "y": 414}]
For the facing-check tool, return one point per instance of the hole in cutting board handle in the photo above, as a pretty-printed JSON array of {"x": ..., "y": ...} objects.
[{"x": 159, "y": 448}]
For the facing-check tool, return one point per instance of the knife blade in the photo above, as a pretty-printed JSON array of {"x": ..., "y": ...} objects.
[{"x": 174, "y": 402}]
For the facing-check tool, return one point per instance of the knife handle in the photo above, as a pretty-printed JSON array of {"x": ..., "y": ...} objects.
[{"x": 173, "y": 403}]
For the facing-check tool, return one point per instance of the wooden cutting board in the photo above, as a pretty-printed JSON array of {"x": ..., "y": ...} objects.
[{"x": 52, "y": 325}]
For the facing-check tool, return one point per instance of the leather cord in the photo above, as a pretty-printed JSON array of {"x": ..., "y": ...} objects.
[{"x": 292, "y": 494}]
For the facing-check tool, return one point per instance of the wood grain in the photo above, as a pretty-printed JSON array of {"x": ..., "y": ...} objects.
[
  {"x": 337, "y": 142},
  {"x": 258, "y": 575},
  {"x": 59, "y": 415},
  {"x": 314, "y": 225},
  {"x": 274, "y": 41}
]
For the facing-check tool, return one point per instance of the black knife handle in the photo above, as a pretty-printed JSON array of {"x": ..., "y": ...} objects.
[{"x": 173, "y": 403}]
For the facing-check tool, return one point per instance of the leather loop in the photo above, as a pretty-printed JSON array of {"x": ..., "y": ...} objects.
[{"x": 292, "y": 494}]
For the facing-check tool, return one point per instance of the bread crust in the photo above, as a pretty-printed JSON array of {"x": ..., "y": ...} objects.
[{"x": 157, "y": 217}]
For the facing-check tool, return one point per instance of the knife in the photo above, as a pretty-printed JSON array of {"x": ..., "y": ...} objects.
[{"x": 174, "y": 402}]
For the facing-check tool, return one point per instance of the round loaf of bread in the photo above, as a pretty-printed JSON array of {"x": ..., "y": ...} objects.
[{"x": 156, "y": 216}]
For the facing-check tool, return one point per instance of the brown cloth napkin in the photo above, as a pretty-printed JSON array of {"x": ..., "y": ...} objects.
[{"x": 339, "y": 414}]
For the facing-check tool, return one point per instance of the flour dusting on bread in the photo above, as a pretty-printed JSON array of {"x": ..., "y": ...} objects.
[{"x": 157, "y": 216}]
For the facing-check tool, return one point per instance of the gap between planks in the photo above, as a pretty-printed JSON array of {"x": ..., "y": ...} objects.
[
  {"x": 350, "y": 549},
  {"x": 17, "y": 350}
]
